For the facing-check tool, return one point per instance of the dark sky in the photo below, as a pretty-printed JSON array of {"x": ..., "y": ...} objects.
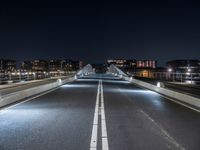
[{"x": 96, "y": 30}]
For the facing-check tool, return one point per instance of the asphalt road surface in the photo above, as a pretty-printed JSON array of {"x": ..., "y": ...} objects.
[{"x": 99, "y": 112}]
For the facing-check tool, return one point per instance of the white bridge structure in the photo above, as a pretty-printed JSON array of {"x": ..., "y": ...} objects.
[
  {"x": 112, "y": 69},
  {"x": 85, "y": 71}
]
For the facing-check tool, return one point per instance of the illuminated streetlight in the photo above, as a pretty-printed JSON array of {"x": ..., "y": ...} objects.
[
  {"x": 170, "y": 70},
  {"x": 187, "y": 73},
  {"x": 158, "y": 84}
]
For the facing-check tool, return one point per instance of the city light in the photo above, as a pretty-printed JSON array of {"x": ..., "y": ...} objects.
[
  {"x": 158, "y": 84},
  {"x": 188, "y": 73},
  {"x": 170, "y": 70},
  {"x": 59, "y": 81},
  {"x": 189, "y": 70}
]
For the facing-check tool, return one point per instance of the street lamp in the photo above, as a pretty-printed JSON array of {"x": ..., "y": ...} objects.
[
  {"x": 170, "y": 70},
  {"x": 19, "y": 74},
  {"x": 34, "y": 75}
]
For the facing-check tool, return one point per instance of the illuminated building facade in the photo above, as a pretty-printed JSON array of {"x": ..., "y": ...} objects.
[
  {"x": 71, "y": 65},
  {"x": 182, "y": 66},
  {"x": 146, "y": 64},
  {"x": 26, "y": 66},
  {"x": 39, "y": 65},
  {"x": 53, "y": 65},
  {"x": 123, "y": 63},
  {"x": 56, "y": 65},
  {"x": 7, "y": 65}
]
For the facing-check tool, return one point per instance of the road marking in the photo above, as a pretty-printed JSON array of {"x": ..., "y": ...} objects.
[
  {"x": 93, "y": 142},
  {"x": 99, "y": 110},
  {"x": 166, "y": 135},
  {"x": 103, "y": 123}
]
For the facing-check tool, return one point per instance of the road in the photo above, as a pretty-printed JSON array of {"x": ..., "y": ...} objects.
[{"x": 99, "y": 112}]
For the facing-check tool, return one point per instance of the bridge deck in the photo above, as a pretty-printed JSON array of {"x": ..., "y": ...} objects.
[{"x": 135, "y": 118}]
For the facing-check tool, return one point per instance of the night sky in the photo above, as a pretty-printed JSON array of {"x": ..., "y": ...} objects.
[{"x": 94, "y": 31}]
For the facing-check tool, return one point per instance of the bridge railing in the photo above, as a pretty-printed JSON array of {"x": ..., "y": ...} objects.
[
  {"x": 85, "y": 71},
  {"x": 112, "y": 69}
]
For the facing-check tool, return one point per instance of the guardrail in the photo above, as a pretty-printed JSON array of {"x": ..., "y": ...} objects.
[
  {"x": 19, "y": 77},
  {"x": 159, "y": 88},
  {"x": 116, "y": 71},
  {"x": 17, "y": 96},
  {"x": 187, "y": 77},
  {"x": 84, "y": 71},
  {"x": 169, "y": 93}
]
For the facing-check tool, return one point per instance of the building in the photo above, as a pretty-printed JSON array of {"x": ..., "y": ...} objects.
[
  {"x": 39, "y": 65},
  {"x": 81, "y": 64},
  {"x": 53, "y": 65},
  {"x": 146, "y": 68},
  {"x": 7, "y": 65},
  {"x": 36, "y": 68},
  {"x": 121, "y": 63},
  {"x": 56, "y": 65},
  {"x": 146, "y": 64},
  {"x": 130, "y": 65},
  {"x": 155, "y": 73},
  {"x": 183, "y": 66},
  {"x": 99, "y": 68},
  {"x": 64, "y": 65},
  {"x": 34, "y": 65},
  {"x": 145, "y": 73},
  {"x": 26, "y": 66},
  {"x": 71, "y": 65}
]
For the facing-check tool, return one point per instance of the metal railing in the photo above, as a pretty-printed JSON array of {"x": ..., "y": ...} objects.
[
  {"x": 169, "y": 76},
  {"x": 13, "y": 77}
]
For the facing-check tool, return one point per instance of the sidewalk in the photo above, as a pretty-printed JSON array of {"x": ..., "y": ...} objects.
[{"x": 5, "y": 86}]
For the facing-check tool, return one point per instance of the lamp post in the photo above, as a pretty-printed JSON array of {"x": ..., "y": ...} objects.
[
  {"x": 189, "y": 72},
  {"x": 34, "y": 75},
  {"x": 44, "y": 74},
  {"x": 9, "y": 75},
  {"x": 170, "y": 71},
  {"x": 19, "y": 74}
]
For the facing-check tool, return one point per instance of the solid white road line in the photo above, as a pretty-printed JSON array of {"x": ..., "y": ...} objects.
[
  {"x": 93, "y": 142},
  {"x": 99, "y": 110},
  {"x": 103, "y": 123}
]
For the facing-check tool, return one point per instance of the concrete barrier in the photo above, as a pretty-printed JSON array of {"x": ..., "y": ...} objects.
[
  {"x": 176, "y": 95},
  {"x": 19, "y": 95}
]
